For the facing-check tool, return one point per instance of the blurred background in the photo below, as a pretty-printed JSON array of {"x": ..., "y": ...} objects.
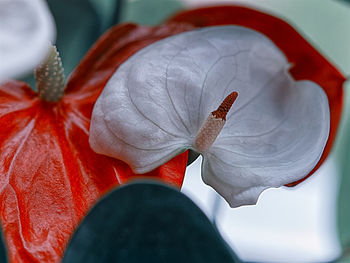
[{"x": 307, "y": 223}]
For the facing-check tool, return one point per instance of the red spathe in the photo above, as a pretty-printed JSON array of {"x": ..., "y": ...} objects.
[{"x": 49, "y": 175}]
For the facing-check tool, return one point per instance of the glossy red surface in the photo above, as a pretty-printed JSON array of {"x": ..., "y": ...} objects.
[
  {"x": 49, "y": 176},
  {"x": 307, "y": 62}
]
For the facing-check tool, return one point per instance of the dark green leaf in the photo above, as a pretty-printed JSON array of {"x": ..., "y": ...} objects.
[
  {"x": 108, "y": 11},
  {"x": 192, "y": 156},
  {"x": 3, "y": 253},
  {"x": 78, "y": 27},
  {"x": 147, "y": 222}
]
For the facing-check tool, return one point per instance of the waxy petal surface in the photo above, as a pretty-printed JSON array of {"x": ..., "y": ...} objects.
[
  {"x": 286, "y": 132},
  {"x": 306, "y": 61},
  {"x": 26, "y": 30},
  {"x": 154, "y": 105}
]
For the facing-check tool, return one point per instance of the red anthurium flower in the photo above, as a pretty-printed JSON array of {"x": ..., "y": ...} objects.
[
  {"x": 307, "y": 62},
  {"x": 49, "y": 175}
]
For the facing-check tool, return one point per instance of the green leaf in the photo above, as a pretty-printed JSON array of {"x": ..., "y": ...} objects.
[
  {"x": 108, "y": 11},
  {"x": 78, "y": 27},
  {"x": 147, "y": 222},
  {"x": 3, "y": 253}
]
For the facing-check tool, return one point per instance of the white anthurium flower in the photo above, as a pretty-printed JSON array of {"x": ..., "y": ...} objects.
[
  {"x": 157, "y": 104},
  {"x": 26, "y": 31}
]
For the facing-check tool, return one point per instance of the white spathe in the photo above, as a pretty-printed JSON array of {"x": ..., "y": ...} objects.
[
  {"x": 26, "y": 31},
  {"x": 155, "y": 103}
]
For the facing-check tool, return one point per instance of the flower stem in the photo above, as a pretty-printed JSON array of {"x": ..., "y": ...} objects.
[{"x": 50, "y": 77}]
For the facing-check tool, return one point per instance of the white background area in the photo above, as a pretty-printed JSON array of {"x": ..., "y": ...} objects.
[{"x": 287, "y": 225}]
